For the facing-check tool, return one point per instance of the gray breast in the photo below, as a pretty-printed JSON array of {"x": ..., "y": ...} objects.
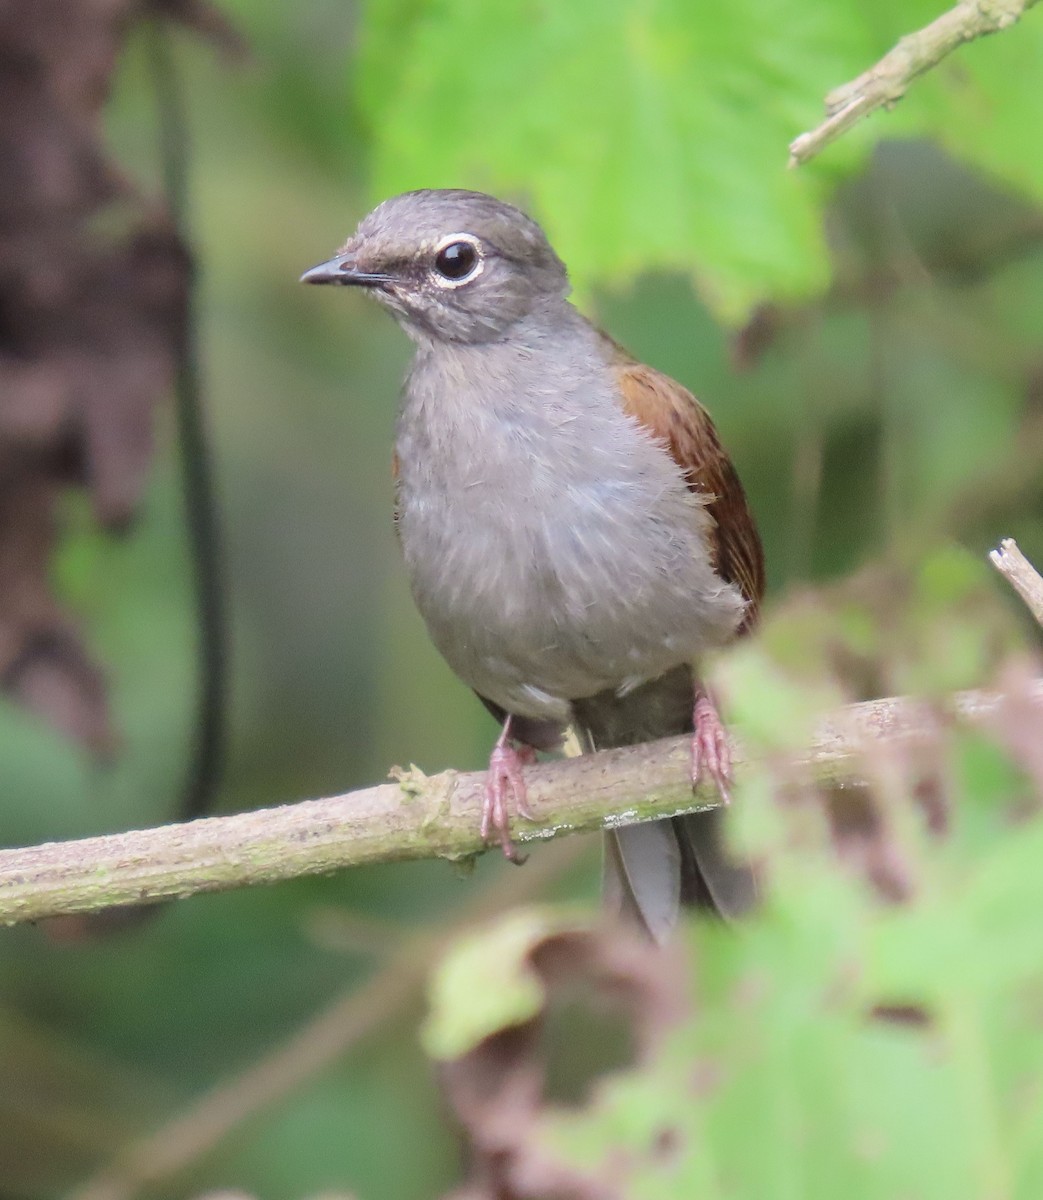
[{"x": 553, "y": 547}]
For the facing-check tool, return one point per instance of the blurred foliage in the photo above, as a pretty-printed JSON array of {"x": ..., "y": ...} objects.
[
  {"x": 835, "y": 1045},
  {"x": 872, "y": 1030},
  {"x": 890, "y": 420}
]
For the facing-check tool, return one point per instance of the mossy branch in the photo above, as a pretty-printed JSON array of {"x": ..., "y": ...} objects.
[
  {"x": 416, "y": 816},
  {"x": 887, "y": 82}
]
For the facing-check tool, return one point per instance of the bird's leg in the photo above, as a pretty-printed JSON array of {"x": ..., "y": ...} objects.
[
  {"x": 711, "y": 752},
  {"x": 506, "y": 781}
]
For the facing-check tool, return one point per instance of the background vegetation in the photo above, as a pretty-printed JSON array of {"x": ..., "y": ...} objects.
[{"x": 866, "y": 332}]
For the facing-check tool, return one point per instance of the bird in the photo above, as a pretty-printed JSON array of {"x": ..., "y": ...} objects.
[{"x": 575, "y": 535}]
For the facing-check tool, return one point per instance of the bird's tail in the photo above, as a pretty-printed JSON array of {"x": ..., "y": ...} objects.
[{"x": 653, "y": 869}]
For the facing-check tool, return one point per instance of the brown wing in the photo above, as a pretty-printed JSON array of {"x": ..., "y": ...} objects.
[{"x": 674, "y": 415}]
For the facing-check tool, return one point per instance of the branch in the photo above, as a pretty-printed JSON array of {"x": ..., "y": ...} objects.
[
  {"x": 415, "y": 817},
  {"x": 887, "y": 82},
  {"x": 1020, "y": 574}
]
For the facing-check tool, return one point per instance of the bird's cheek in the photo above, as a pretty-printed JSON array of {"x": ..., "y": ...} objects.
[{"x": 394, "y": 297}]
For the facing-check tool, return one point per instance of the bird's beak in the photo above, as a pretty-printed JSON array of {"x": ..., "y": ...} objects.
[{"x": 344, "y": 270}]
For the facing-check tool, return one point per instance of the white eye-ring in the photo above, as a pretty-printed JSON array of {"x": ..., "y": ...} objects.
[{"x": 458, "y": 259}]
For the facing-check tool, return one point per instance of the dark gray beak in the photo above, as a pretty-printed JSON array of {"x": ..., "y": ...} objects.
[{"x": 343, "y": 270}]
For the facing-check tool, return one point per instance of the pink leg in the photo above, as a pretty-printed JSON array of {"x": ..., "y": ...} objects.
[
  {"x": 711, "y": 753},
  {"x": 506, "y": 781}
]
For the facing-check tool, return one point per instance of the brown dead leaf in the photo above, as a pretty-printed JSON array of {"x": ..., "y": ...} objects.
[
  {"x": 500, "y": 1088},
  {"x": 751, "y": 343}
]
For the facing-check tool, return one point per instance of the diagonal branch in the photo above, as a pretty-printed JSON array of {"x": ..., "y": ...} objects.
[
  {"x": 415, "y": 817},
  {"x": 887, "y": 82}
]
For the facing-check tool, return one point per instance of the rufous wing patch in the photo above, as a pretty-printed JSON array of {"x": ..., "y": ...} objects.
[{"x": 676, "y": 418}]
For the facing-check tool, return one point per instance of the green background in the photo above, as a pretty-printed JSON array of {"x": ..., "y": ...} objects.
[{"x": 886, "y": 400}]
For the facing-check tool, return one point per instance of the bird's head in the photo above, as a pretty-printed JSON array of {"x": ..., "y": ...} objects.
[{"x": 451, "y": 265}]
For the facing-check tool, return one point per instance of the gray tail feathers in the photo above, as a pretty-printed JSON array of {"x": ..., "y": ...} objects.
[
  {"x": 652, "y": 870},
  {"x": 641, "y": 877}
]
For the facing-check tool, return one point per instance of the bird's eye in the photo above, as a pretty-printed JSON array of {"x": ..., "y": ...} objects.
[{"x": 456, "y": 261}]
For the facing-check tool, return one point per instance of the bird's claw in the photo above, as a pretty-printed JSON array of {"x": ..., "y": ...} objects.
[
  {"x": 504, "y": 783},
  {"x": 711, "y": 751}
]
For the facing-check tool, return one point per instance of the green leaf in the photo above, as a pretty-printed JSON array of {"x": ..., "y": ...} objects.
[
  {"x": 649, "y": 135},
  {"x": 655, "y": 134},
  {"x": 487, "y": 983}
]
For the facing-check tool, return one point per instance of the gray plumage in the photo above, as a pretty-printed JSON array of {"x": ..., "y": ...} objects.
[{"x": 555, "y": 551}]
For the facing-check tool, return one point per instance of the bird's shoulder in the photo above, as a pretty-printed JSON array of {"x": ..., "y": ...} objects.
[{"x": 675, "y": 417}]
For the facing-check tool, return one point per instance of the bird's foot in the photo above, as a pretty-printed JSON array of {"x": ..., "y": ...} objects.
[
  {"x": 711, "y": 751},
  {"x": 505, "y": 784}
]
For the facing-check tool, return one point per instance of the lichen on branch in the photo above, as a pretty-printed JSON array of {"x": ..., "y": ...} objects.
[{"x": 416, "y": 817}]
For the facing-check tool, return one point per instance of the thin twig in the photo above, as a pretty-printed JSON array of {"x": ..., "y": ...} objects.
[
  {"x": 199, "y": 491},
  {"x": 1020, "y": 574},
  {"x": 416, "y": 817},
  {"x": 887, "y": 82}
]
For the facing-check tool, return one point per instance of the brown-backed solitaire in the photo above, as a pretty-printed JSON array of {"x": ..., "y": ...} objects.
[{"x": 575, "y": 535}]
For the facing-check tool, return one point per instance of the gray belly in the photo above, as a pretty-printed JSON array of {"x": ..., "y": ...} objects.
[{"x": 563, "y": 596}]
